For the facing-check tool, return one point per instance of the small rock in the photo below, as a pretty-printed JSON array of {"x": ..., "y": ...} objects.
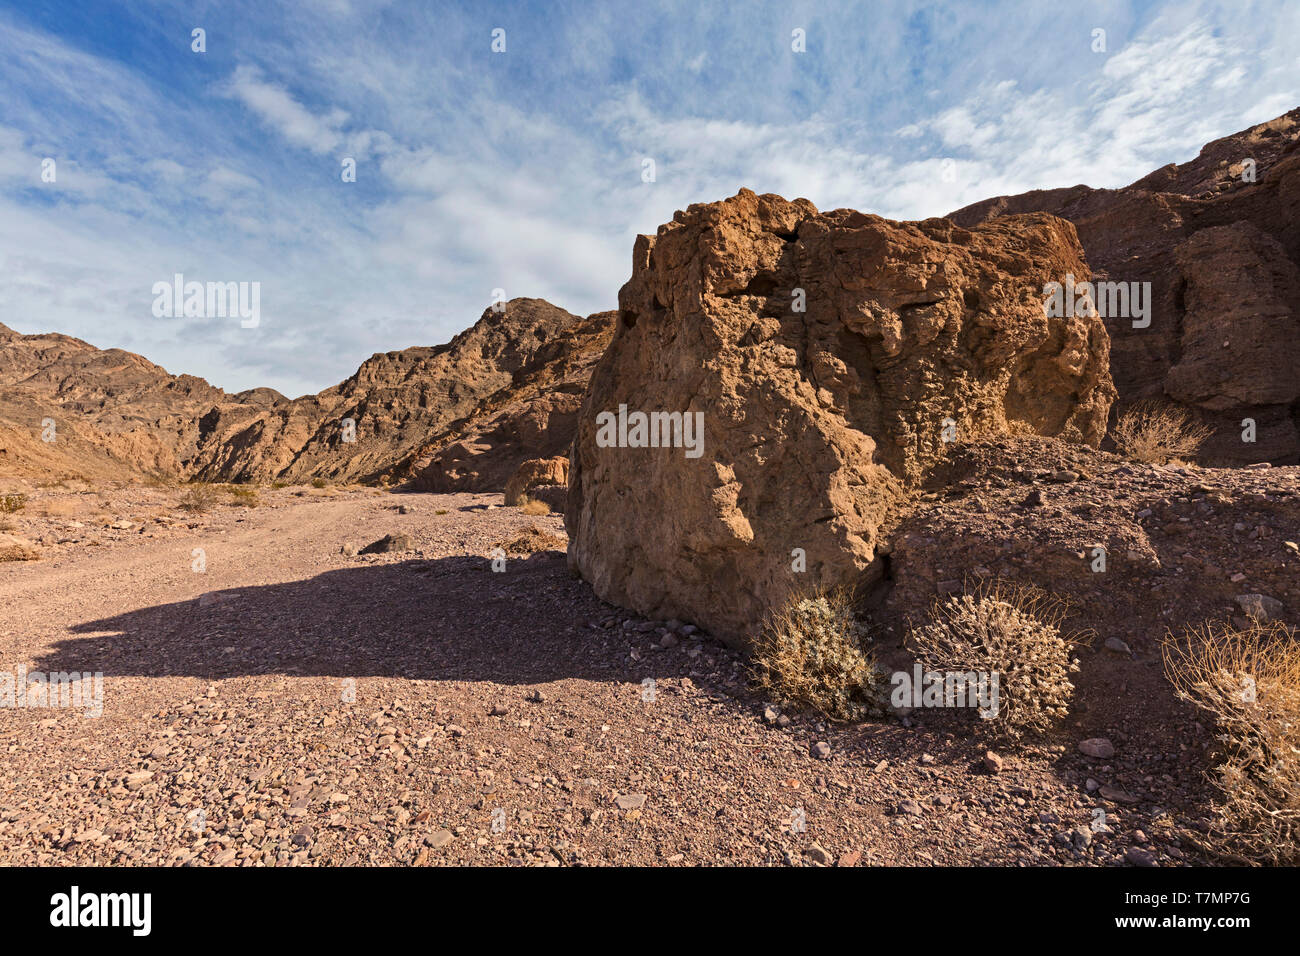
[
  {"x": 1115, "y": 645},
  {"x": 850, "y": 859},
  {"x": 1098, "y": 747},
  {"x": 910, "y": 808},
  {"x": 819, "y": 854},
  {"x": 390, "y": 543},
  {"x": 821, "y": 750},
  {"x": 1118, "y": 794},
  {"x": 136, "y": 780},
  {"x": 438, "y": 839},
  {"x": 1259, "y": 606},
  {"x": 1140, "y": 857},
  {"x": 630, "y": 801},
  {"x": 992, "y": 762}
]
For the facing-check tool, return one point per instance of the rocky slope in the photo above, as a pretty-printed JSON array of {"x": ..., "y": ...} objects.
[
  {"x": 825, "y": 360},
  {"x": 119, "y": 416},
  {"x": 70, "y": 409},
  {"x": 1222, "y": 254},
  {"x": 532, "y": 416}
]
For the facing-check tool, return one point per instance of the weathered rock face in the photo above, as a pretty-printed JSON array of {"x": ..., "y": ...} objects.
[
  {"x": 1220, "y": 248},
  {"x": 535, "y": 472},
  {"x": 119, "y": 416},
  {"x": 532, "y": 416},
  {"x": 812, "y": 424},
  {"x": 396, "y": 401}
]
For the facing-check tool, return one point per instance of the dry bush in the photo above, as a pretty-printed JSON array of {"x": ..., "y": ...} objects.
[
  {"x": 242, "y": 496},
  {"x": 531, "y": 506},
  {"x": 531, "y": 540},
  {"x": 1158, "y": 433},
  {"x": 198, "y": 498},
  {"x": 319, "y": 482},
  {"x": 814, "y": 651},
  {"x": 1014, "y": 632},
  {"x": 12, "y": 503},
  {"x": 1248, "y": 681},
  {"x": 18, "y": 549}
]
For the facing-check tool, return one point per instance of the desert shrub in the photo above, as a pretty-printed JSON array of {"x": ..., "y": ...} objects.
[
  {"x": 11, "y": 503},
  {"x": 1248, "y": 681},
  {"x": 531, "y": 540},
  {"x": 198, "y": 498},
  {"x": 243, "y": 496},
  {"x": 319, "y": 482},
  {"x": 1015, "y": 633},
  {"x": 18, "y": 550},
  {"x": 531, "y": 506},
  {"x": 813, "y": 651},
  {"x": 1158, "y": 433}
]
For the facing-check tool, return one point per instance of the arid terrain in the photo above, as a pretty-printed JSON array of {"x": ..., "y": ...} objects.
[
  {"x": 519, "y": 691},
  {"x": 464, "y": 607}
]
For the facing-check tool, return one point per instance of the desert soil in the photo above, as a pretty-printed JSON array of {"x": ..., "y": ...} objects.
[{"x": 499, "y": 717}]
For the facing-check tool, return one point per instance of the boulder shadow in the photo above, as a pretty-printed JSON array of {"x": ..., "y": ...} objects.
[{"x": 451, "y": 618}]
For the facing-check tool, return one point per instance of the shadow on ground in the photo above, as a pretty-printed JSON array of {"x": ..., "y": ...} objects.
[{"x": 448, "y": 619}]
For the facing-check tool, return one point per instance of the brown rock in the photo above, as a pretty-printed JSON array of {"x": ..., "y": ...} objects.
[
  {"x": 1219, "y": 250},
  {"x": 534, "y": 472},
  {"x": 813, "y": 422},
  {"x": 532, "y": 416}
]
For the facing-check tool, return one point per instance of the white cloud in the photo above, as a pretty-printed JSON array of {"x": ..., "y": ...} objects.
[{"x": 278, "y": 110}]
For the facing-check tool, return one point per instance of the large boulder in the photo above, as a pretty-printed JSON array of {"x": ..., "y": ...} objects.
[{"x": 817, "y": 363}]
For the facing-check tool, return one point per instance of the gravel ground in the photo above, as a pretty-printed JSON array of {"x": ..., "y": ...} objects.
[{"x": 293, "y": 705}]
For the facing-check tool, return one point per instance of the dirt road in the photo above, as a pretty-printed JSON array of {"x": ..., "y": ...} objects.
[{"x": 288, "y": 704}]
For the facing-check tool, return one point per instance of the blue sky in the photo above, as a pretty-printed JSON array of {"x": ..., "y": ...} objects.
[{"x": 522, "y": 170}]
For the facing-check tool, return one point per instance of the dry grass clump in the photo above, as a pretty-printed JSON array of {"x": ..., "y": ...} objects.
[
  {"x": 12, "y": 503},
  {"x": 813, "y": 651},
  {"x": 531, "y": 506},
  {"x": 531, "y": 540},
  {"x": 1157, "y": 433},
  {"x": 198, "y": 498},
  {"x": 242, "y": 496},
  {"x": 17, "y": 549},
  {"x": 1248, "y": 681},
  {"x": 1015, "y": 633}
]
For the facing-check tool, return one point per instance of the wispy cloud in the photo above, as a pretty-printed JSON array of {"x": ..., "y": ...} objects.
[{"x": 524, "y": 170}]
